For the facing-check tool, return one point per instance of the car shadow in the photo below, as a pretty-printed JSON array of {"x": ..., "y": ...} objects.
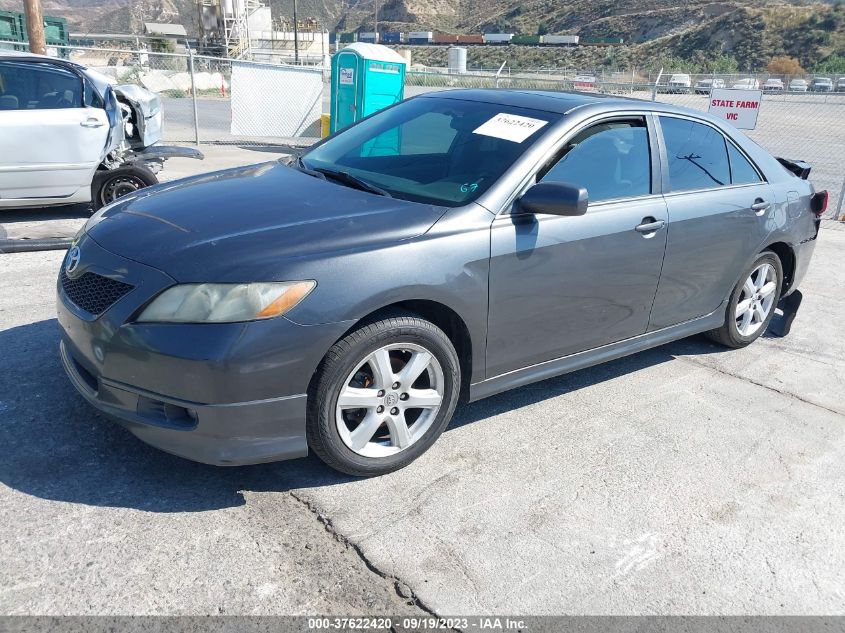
[
  {"x": 40, "y": 214},
  {"x": 54, "y": 446},
  {"x": 43, "y": 222}
]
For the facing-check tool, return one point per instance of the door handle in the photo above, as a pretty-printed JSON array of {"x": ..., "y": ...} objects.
[
  {"x": 92, "y": 123},
  {"x": 650, "y": 225},
  {"x": 760, "y": 206}
]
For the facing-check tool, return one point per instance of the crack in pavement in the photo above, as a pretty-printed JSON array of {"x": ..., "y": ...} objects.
[
  {"x": 788, "y": 394},
  {"x": 403, "y": 589}
]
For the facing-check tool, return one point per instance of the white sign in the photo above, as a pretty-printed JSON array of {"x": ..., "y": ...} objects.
[
  {"x": 510, "y": 127},
  {"x": 737, "y": 107},
  {"x": 347, "y": 76}
]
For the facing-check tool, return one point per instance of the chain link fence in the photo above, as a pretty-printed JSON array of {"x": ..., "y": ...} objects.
[{"x": 215, "y": 100}]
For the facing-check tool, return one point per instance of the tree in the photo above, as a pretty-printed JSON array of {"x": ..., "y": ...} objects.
[
  {"x": 724, "y": 64},
  {"x": 542, "y": 28},
  {"x": 784, "y": 65},
  {"x": 835, "y": 65}
]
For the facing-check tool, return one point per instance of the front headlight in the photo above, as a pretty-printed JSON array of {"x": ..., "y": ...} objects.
[{"x": 225, "y": 303}]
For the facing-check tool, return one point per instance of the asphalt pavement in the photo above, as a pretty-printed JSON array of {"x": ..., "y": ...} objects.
[
  {"x": 65, "y": 221},
  {"x": 688, "y": 479}
]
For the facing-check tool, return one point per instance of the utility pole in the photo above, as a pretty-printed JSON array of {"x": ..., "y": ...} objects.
[
  {"x": 375, "y": 29},
  {"x": 35, "y": 26},
  {"x": 295, "y": 36}
]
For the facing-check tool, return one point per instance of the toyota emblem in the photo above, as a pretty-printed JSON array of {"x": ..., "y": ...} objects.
[{"x": 73, "y": 257}]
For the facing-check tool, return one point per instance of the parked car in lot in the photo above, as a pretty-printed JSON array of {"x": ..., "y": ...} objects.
[
  {"x": 584, "y": 81},
  {"x": 68, "y": 136},
  {"x": 749, "y": 83},
  {"x": 840, "y": 84},
  {"x": 798, "y": 85},
  {"x": 773, "y": 85},
  {"x": 455, "y": 245},
  {"x": 704, "y": 86},
  {"x": 679, "y": 83},
  {"x": 822, "y": 84}
]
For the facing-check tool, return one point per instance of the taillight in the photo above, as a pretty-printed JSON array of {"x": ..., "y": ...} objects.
[{"x": 818, "y": 203}]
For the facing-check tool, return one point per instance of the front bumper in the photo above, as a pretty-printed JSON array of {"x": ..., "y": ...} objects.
[
  {"x": 218, "y": 434},
  {"x": 224, "y": 394}
]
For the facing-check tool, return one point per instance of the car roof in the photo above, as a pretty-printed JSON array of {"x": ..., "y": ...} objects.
[
  {"x": 557, "y": 102},
  {"x": 23, "y": 56}
]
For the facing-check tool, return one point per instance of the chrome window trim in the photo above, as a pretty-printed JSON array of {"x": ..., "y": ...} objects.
[
  {"x": 667, "y": 185},
  {"x": 656, "y": 167}
]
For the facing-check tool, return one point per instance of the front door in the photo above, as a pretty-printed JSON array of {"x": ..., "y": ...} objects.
[
  {"x": 561, "y": 285},
  {"x": 346, "y": 92},
  {"x": 50, "y": 143}
]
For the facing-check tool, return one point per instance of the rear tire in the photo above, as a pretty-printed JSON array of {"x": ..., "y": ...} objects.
[
  {"x": 753, "y": 302},
  {"x": 112, "y": 184},
  {"x": 390, "y": 365}
]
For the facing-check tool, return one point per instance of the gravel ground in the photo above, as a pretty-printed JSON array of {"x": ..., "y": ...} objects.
[{"x": 683, "y": 480}]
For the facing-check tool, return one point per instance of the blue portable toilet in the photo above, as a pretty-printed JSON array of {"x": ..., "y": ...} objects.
[{"x": 365, "y": 78}]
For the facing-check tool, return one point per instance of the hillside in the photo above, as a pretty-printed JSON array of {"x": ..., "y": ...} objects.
[{"x": 700, "y": 34}]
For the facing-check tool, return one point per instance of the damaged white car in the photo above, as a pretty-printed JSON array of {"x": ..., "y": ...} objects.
[{"x": 68, "y": 136}]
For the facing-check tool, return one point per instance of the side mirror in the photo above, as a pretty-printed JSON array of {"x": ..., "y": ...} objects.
[{"x": 554, "y": 198}]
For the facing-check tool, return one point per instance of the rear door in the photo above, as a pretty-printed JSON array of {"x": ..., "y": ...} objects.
[
  {"x": 718, "y": 206},
  {"x": 50, "y": 142}
]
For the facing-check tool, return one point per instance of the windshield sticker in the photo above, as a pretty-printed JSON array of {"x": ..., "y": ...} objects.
[
  {"x": 510, "y": 127},
  {"x": 469, "y": 187}
]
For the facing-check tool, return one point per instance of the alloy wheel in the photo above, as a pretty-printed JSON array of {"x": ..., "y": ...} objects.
[
  {"x": 756, "y": 300},
  {"x": 389, "y": 401}
]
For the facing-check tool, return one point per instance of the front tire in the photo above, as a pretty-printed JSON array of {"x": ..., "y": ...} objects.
[
  {"x": 382, "y": 396},
  {"x": 753, "y": 302},
  {"x": 112, "y": 184}
]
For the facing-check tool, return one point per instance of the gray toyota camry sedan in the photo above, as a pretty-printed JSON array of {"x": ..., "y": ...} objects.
[{"x": 448, "y": 248}]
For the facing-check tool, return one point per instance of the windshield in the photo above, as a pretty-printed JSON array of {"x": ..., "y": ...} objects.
[{"x": 438, "y": 151}]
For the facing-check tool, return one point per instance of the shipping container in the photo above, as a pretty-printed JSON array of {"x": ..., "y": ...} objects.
[
  {"x": 530, "y": 40},
  {"x": 392, "y": 37},
  {"x": 497, "y": 38},
  {"x": 372, "y": 38},
  {"x": 444, "y": 38},
  {"x": 601, "y": 41},
  {"x": 558, "y": 40},
  {"x": 420, "y": 37},
  {"x": 470, "y": 39},
  {"x": 348, "y": 38}
]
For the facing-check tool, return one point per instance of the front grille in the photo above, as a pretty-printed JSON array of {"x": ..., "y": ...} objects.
[{"x": 92, "y": 292}]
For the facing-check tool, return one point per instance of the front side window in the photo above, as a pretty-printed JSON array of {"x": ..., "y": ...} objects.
[
  {"x": 697, "y": 154},
  {"x": 38, "y": 86},
  {"x": 611, "y": 160},
  {"x": 433, "y": 150}
]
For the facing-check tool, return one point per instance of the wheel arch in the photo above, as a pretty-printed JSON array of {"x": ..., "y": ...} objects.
[
  {"x": 441, "y": 315},
  {"x": 786, "y": 255}
]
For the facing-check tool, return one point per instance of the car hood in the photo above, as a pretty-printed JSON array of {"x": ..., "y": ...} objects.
[{"x": 240, "y": 224}]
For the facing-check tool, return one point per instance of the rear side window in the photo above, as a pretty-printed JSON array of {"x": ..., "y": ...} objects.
[
  {"x": 42, "y": 86},
  {"x": 611, "y": 160},
  {"x": 697, "y": 154},
  {"x": 742, "y": 172}
]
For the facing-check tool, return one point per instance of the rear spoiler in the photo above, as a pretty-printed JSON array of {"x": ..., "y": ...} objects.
[{"x": 797, "y": 167}]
